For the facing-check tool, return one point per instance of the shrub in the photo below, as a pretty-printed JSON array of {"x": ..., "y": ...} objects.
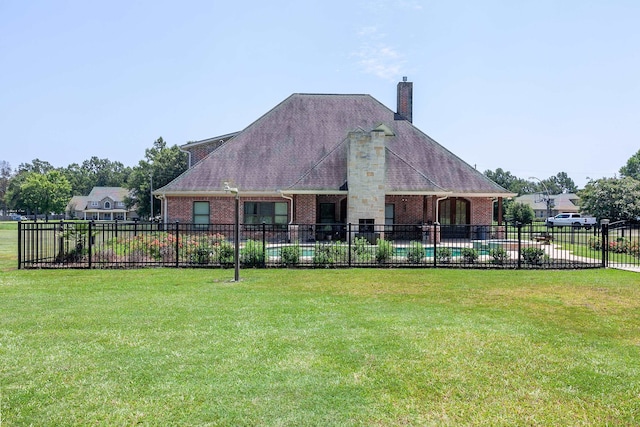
[
  {"x": 443, "y": 255},
  {"x": 595, "y": 243},
  {"x": 290, "y": 255},
  {"x": 499, "y": 256},
  {"x": 469, "y": 255},
  {"x": 252, "y": 254},
  {"x": 361, "y": 249},
  {"x": 327, "y": 255},
  {"x": 224, "y": 253},
  {"x": 533, "y": 256},
  {"x": 620, "y": 246},
  {"x": 384, "y": 251},
  {"x": 415, "y": 252},
  {"x": 201, "y": 255}
]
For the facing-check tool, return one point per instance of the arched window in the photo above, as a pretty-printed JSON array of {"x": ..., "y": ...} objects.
[{"x": 107, "y": 205}]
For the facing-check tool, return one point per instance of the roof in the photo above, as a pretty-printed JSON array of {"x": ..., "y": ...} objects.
[
  {"x": 117, "y": 194},
  {"x": 564, "y": 202},
  {"x": 301, "y": 145}
]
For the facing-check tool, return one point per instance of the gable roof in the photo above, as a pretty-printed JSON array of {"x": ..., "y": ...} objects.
[
  {"x": 301, "y": 145},
  {"x": 117, "y": 194},
  {"x": 563, "y": 202}
]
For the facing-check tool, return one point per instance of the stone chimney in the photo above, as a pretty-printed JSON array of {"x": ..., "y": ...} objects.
[{"x": 405, "y": 101}]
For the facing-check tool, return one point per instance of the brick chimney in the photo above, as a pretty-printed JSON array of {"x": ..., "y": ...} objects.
[{"x": 405, "y": 101}]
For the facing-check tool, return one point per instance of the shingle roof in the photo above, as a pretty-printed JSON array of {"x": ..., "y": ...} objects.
[
  {"x": 116, "y": 194},
  {"x": 301, "y": 144}
]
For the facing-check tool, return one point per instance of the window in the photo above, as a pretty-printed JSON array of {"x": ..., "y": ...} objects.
[
  {"x": 201, "y": 215},
  {"x": 271, "y": 213},
  {"x": 94, "y": 204},
  {"x": 366, "y": 225},
  {"x": 107, "y": 205},
  {"x": 389, "y": 214}
]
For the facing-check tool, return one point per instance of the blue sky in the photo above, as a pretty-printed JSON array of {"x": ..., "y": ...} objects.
[{"x": 533, "y": 87}]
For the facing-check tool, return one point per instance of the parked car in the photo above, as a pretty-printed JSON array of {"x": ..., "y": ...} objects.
[
  {"x": 575, "y": 220},
  {"x": 16, "y": 217}
]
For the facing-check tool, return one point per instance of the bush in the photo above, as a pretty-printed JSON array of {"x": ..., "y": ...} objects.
[
  {"x": 595, "y": 243},
  {"x": 499, "y": 256},
  {"x": 469, "y": 255},
  {"x": 252, "y": 254},
  {"x": 361, "y": 249},
  {"x": 415, "y": 252},
  {"x": 384, "y": 251},
  {"x": 533, "y": 256},
  {"x": 327, "y": 255},
  {"x": 520, "y": 212},
  {"x": 443, "y": 255},
  {"x": 224, "y": 253},
  {"x": 290, "y": 255}
]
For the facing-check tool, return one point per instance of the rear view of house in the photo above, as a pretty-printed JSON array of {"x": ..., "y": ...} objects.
[{"x": 331, "y": 159}]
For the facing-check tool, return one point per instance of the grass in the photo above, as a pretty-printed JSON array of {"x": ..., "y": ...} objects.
[{"x": 319, "y": 347}]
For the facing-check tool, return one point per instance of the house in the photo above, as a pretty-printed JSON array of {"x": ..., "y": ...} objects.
[
  {"x": 558, "y": 203},
  {"x": 327, "y": 158},
  {"x": 102, "y": 203}
]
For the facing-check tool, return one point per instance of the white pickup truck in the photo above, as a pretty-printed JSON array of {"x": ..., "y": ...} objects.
[{"x": 571, "y": 219}]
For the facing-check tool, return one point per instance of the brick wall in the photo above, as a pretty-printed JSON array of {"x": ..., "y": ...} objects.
[{"x": 481, "y": 211}]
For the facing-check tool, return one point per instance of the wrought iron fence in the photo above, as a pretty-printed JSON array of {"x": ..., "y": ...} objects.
[{"x": 133, "y": 245}]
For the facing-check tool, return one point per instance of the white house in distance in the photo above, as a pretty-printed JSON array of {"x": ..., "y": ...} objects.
[
  {"x": 102, "y": 204},
  {"x": 565, "y": 202}
]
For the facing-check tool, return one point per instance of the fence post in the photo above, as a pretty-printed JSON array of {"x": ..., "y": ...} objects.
[
  {"x": 349, "y": 243},
  {"x": 20, "y": 244},
  {"x": 264, "y": 244},
  {"x": 519, "y": 227},
  {"x": 605, "y": 242},
  {"x": 90, "y": 238},
  {"x": 436, "y": 232},
  {"x": 177, "y": 245}
]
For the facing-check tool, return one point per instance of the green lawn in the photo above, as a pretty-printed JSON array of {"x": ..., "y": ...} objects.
[{"x": 319, "y": 347}]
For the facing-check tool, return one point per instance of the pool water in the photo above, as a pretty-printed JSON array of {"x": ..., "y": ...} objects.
[{"x": 400, "y": 251}]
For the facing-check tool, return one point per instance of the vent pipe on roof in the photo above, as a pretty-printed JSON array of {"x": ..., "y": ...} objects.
[{"x": 405, "y": 101}]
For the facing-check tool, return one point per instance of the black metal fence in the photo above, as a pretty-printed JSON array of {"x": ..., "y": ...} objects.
[{"x": 133, "y": 245}]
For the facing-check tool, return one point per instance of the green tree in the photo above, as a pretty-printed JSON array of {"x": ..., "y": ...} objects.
[
  {"x": 520, "y": 212},
  {"x": 560, "y": 183},
  {"x": 510, "y": 182},
  {"x": 632, "y": 168},
  {"x": 612, "y": 198},
  {"x": 13, "y": 196},
  {"x": 45, "y": 193},
  {"x": 162, "y": 164},
  {"x": 96, "y": 172},
  {"x": 5, "y": 177}
]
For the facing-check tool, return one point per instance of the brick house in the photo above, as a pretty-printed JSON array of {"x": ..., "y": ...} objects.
[{"x": 331, "y": 159}]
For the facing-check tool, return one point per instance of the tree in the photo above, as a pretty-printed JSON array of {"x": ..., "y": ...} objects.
[
  {"x": 96, "y": 172},
  {"x": 560, "y": 183},
  {"x": 45, "y": 193},
  {"x": 612, "y": 198},
  {"x": 510, "y": 182},
  {"x": 5, "y": 177},
  {"x": 13, "y": 197},
  {"x": 162, "y": 164},
  {"x": 632, "y": 168},
  {"x": 520, "y": 212}
]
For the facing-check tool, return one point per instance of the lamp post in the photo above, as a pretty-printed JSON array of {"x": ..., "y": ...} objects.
[
  {"x": 236, "y": 230},
  {"x": 547, "y": 198},
  {"x": 151, "y": 196}
]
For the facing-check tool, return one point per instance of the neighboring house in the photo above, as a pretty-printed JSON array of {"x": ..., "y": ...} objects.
[
  {"x": 558, "y": 203},
  {"x": 317, "y": 158},
  {"x": 103, "y": 203}
]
